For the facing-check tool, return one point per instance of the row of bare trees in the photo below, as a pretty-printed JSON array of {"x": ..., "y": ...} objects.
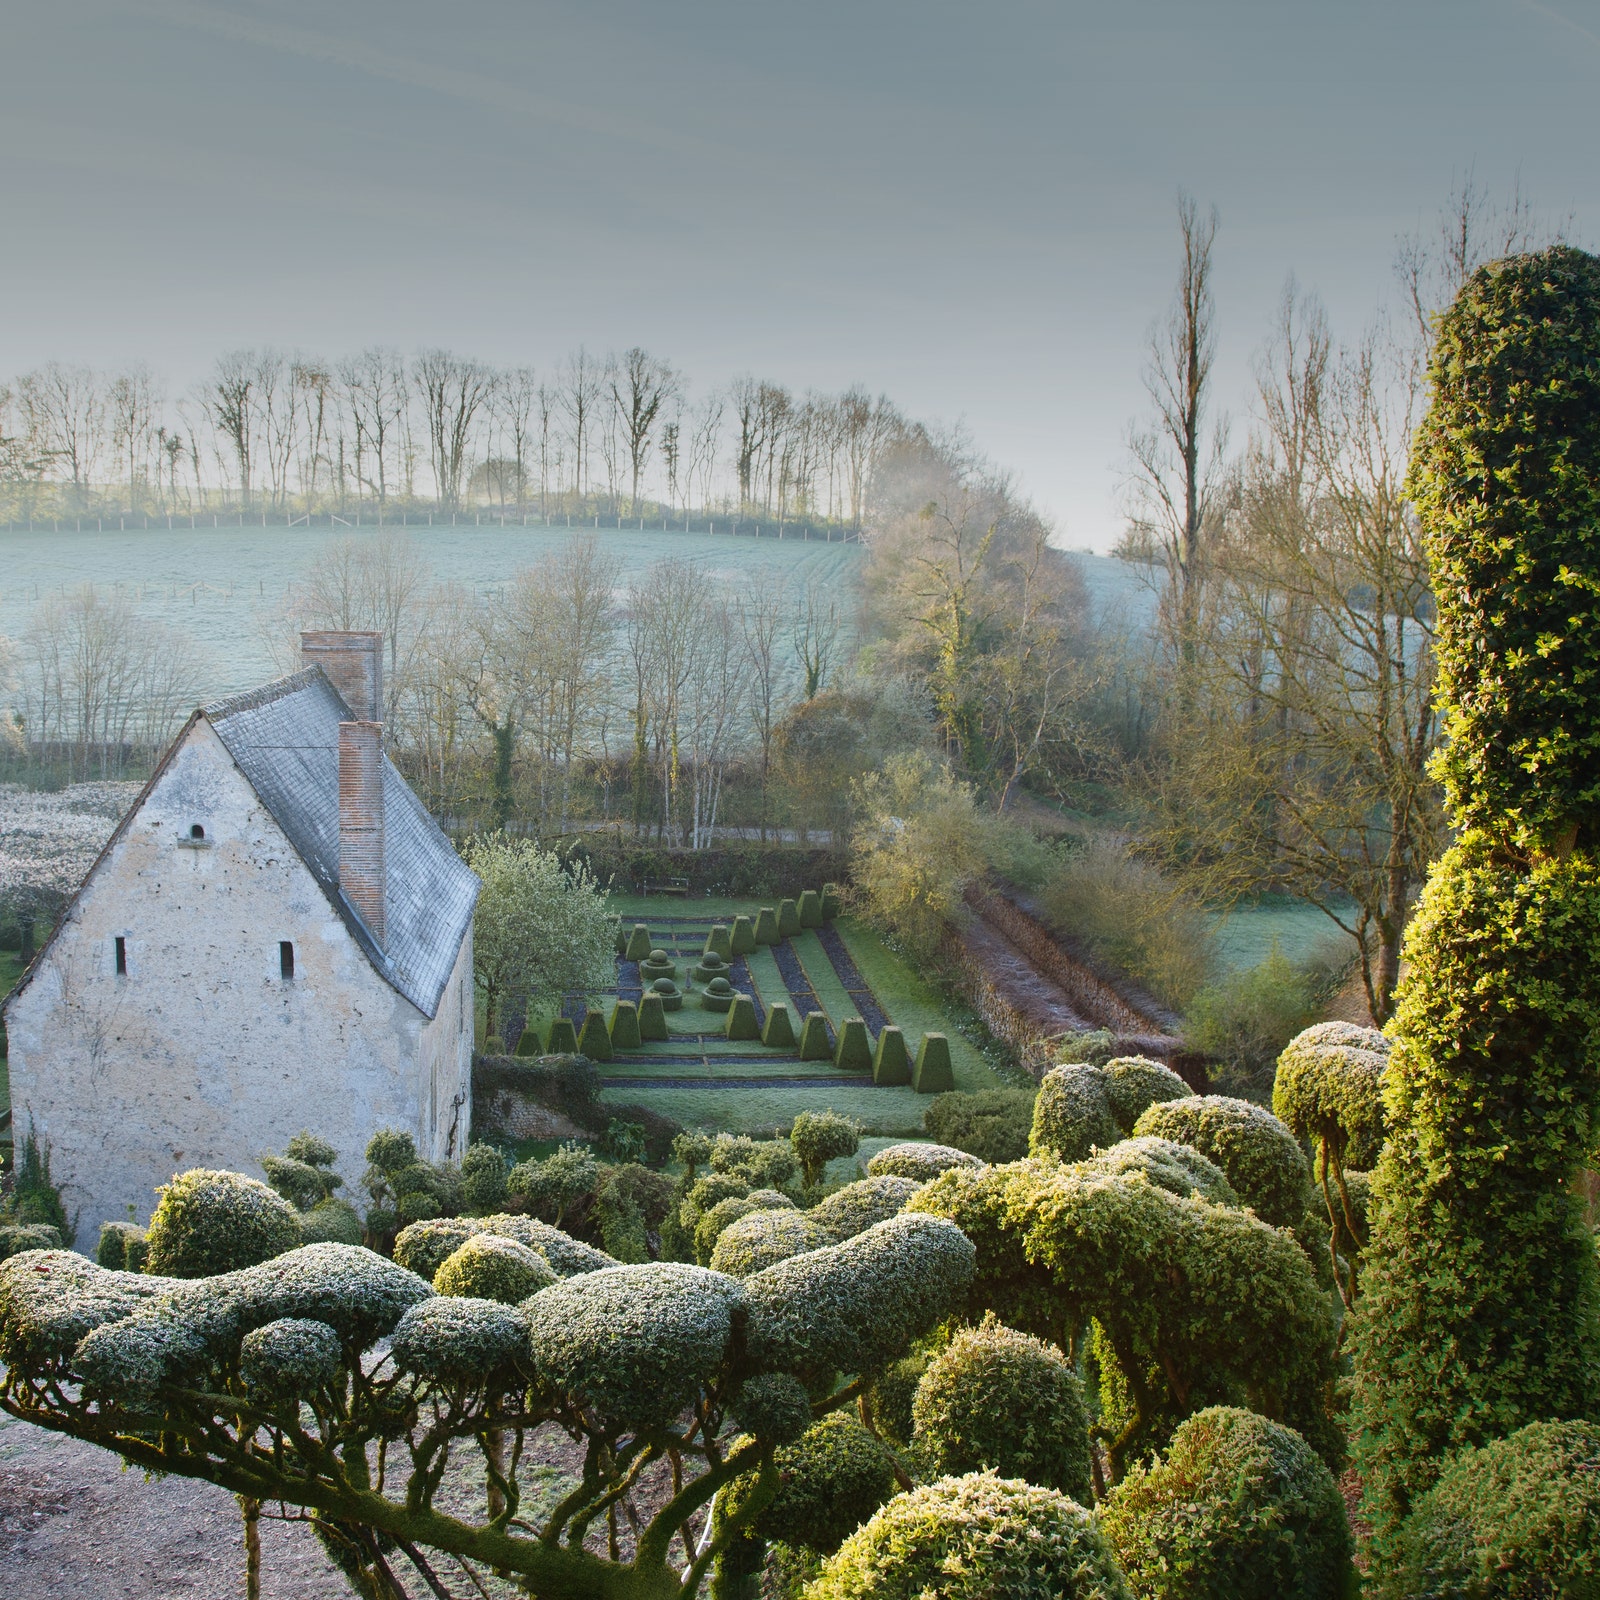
[{"x": 620, "y": 434}]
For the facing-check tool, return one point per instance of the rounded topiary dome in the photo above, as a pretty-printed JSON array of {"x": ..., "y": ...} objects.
[
  {"x": 719, "y": 986},
  {"x": 664, "y": 986},
  {"x": 974, "y": 1538},
  {"x": 1238, "y": 1506},
  {"x": 489, "y": 1267},
  {"x": 211, "y": 1222}
]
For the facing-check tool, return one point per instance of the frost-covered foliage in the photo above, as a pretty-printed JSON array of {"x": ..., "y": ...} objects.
[
  {"x": 992, "y": 1124},
  {"x": 762, "y": 1238},
  {"x": 919, "y": 1162},
  {"x": 709, "y": 1229},
  {"x": 487, "y": 1266},
  {"x": 48, "y": 841},
  {"x": 853, "y": 1306},
  {"x": 830, "y": 1480},
  {"x": 1238, "y": 1508},
  {"x": 857, "y": 1206},
  {"x": 1518, "y": 1519},
  {"x": 212, "y": 1222},
  {"x": 635, "y": 1343},
  {"x": 20, "y": 1236},
  {"x": 550, "y": 1188},
  {"x": 1082, "y": 1108},
  {"x": 1259, "y": 1156},
  {"x": 484, "y": 1171},
  {"x": 424, "y": 1247},
  {"x": 304, "y": 1173},
  {"x": 1178, "y": 1168},
  {"x": 762, "y": 1163},
  {"x": 455, "y": 1340},
  {"x": 288, "y": 1359},
  {"x": 266, "y": 1382},
  {"x": 974, "y": 1538},
  {"x": 819, "y": 1137},
  {"x": 330, "y": 1222},
  {"x": 996, "y": 1400}
]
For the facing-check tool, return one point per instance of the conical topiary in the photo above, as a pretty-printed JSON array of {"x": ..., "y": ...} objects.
[
  {"x": 624, "y": 1027},
  {"x": 854, "y": 1049},
  {"x": 653, "y": 1017},
  {"x": 830, "y": 901},
  {"x": 932, "y": 1074},
  {"x": 719, "y": 942},
  {"x": 742, "y": 938},
  {"x": 741, "y": 1023},
  {"x": 528, "y": 1044},
  {"x": 814, "y": 1043},
  {"x": 766, "y": 928},
  {"x": 593, "y": 1039},
  {"x": 788, "y": 918},
  {"x": 891, "y": 1064},
  {"x": 779, "y": 1032},
  {"x": 622, "y": 938},
  {"x": 638, "y": 945},
  {"x": 563, "y": 1037}
]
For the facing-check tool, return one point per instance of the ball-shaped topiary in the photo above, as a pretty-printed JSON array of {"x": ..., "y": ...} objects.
[
  {"x": 922, "y": 1162},
  {"x": 1329, "y": 1087},
  {"x": 1257, "y": 1154},
  {"x": 1239, "y": 1508},
  {"x": 1072, "y": 1115},
  {"x": 996, "y": 1400},
  {"x": 424, "y": 1247},
  {"x": 773, "y": 1407},
  {"x": 1134, "y": 1083},
  {"x": 760, "y": 1238},
  {"x": 489, "y": 1267},
  {"x": 819, "y": 1137},
  {"x": 330, "y": 1222},
  {"x": 831, "y": 1479},
  {"x": 289, "y": 1358},
  {"x": 211, "y": 1222},
  {"x": 1518, "y": 1519},
  {"x": 857, "y": 1206},
  {"x": 1178, "y": 1168},
  {"x": 974, "y": 1538}
]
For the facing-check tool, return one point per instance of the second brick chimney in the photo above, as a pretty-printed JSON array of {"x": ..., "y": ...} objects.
[
  {"x": 362, "y": 875},
  {"x": 354, "y": 663}
]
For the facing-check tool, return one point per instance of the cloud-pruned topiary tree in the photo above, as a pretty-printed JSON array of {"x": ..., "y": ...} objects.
[
  {"x": 209, "y": 1222},
  {"x": 1480, "y": 1306},
  {"x": 266, "y": 1382}
]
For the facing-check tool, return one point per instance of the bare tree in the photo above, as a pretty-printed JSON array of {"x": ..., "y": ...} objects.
[
  {"x": 816, "y": 638},
  {"x": 762, "y": 620},
  {"x": 640, "y": 386},
  {"x": 66, "y": 411},
  {"x": 705, "y": 437},
  {"x": 1177, "y": 459},
  {"x": 376, "y": 392},
  {"x": 135, "y": 407},
  {"x": 453, "y": 390},
  {"x": 228, "y": 398},
  {"x": 514, "y": 398},
  {"x": 578, "y": 394}
]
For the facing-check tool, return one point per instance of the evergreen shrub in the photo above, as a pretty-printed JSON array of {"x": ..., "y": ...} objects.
[
  {"x": 1480, "y": 1304},
  {"x": 819, "y": 1137},
  {"x": 487, "y": 1266},
  {"x": 760, "y": 1238},
  {"x": 123, "y": 1247},
  {"x": 788, "y": 919},
  {"x": 814, "y": 1042},
  {"x": 594, "y": 1040},
  {"x": 779, "y": 1031},
  {"x": 809, "y": 909},
  {"x": 920, "y": 1162},
  {"x": 528, "y": 1043},
  {"x": 741, "y": 937},
  {"x": 741, "y": 1023},
  {"x": 1180, "y": 1169},
  {"x": 766, "y": 928},
  {"x": 563, "y": 1037},
  {"x": 891, "y": 1063},
  {"x": 719, "y": 942},
  {"x": 330, "y": 1221},
  {"x": 207, "y": 1223},
  {"x": 484, "y": 1171},
  {"x": 932, "y": 1072},
  {"x": 996, "y": 1400},
  {"x": 857, "y": 1206},
  {"x": 853, "y": 1052},
  {"x": 652, "y": 1018},
  {"x": 17, "y": 1237},
  {"x": 637, "y": 947},
  {"x": 623, "y": 1026},
  {"x": 974, "y": 1538},
  {"x": 993, "y": 1124},
  {"x": 831, "y": 901},
  {"x": 1518, "y": 1519},
  {"x": 1072, "y": 1114},
  {"x": 1238, "y": 1508}
]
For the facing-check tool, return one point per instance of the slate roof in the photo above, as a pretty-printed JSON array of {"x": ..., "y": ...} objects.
[{"x": 285, "y": 738}]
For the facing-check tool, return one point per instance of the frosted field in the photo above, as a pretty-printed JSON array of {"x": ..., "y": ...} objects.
[{"x": 227, "y": 585}]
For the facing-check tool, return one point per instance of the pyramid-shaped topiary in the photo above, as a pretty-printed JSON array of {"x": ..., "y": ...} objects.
[
  {"x": 766, "y": 928},
  {"x": 854, "y": 1049},
  {"x": 719, "y": 942},
  {"x": 810, "y": 909},
  {"x": 638, "y": 945},
  {"x": 652, "y": 1018},
  {"x": 741, "y": 1023},
  {"x": 528, "y": 1044},
  {"x": 779, "y": 1032},
  {"x": 931, "y": 1074},
  {"x": 742, "y": 937},
  {"x": 563, "y": 1037},
  {"x": 594, "y": 1040},
  {"x": 814, "y": 1042},
  {"x": 788, "y": 919},
  {"x": 891, "y": 1063},
  {"x": 624, "y": 1026}
]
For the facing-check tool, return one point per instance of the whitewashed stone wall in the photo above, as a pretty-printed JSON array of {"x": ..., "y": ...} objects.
[{"x": 203, "y": 1055}]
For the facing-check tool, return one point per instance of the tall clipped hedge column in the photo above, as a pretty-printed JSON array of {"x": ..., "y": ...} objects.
[{"x": 1481, "y": 1308}]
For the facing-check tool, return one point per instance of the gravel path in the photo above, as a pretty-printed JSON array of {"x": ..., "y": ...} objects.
[{"x": 75, "y": 1526}]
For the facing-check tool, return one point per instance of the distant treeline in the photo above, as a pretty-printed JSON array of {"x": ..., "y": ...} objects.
[{"x": 377, "y": 434}]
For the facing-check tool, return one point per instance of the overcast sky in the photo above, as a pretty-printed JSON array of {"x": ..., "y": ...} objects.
[{"x": 968, "y": 206}]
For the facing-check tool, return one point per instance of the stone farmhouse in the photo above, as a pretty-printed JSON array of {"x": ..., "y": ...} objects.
[{"x": 276, "y": 937}]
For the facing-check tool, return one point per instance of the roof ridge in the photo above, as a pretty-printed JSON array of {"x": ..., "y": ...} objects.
[{"x": 254, "y": 699}]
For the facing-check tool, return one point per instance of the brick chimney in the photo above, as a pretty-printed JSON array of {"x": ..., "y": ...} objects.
[
  {"x": 361, "y": 868},
  {"x": 354, "y": 663}
]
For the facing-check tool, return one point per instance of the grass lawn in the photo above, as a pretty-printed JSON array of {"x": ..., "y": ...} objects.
[
  {"x": 697, "y": 1090},
  {"x": 1246, "y": 934}
]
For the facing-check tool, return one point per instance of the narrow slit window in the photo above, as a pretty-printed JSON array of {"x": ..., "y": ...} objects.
[
  {"x": 122, "y": 957},
  {"x": 196, "y": 830},
  {"x": 285, "y": 958}
]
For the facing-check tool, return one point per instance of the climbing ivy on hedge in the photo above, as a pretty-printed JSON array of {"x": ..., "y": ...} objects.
[{"x": 1480, "y": 1308}]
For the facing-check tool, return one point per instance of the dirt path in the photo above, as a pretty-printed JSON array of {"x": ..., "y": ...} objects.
[{"x": 75, "y": 1526}]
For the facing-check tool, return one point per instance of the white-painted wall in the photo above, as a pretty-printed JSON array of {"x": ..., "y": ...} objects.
[{"x": 203, "y": 1055}]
